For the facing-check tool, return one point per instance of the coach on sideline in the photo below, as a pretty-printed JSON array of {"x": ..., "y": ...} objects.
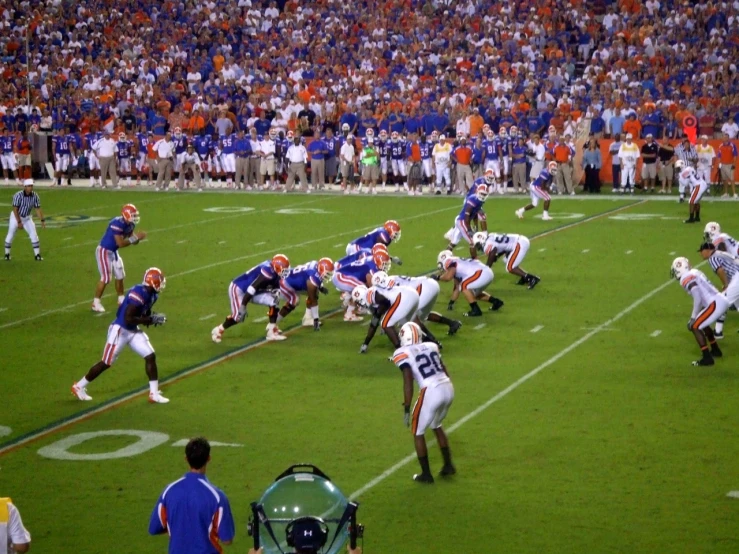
[
  {"x": 194, "y": 512},
  {"x": 106, "y": 149},
  {"x": 23, "y": 202}
]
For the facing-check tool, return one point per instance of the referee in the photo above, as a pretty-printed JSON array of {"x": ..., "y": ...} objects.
[
  {"x": 194, "y": 512},
  {"x": 687, "y": 153},
  {"x": 23, "y": 201}
]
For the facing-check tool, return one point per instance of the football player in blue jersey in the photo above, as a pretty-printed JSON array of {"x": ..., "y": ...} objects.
[
  {"x": 539, "y": 189},
  {"x": 7, "y": 157},
  {"x": 397, "y": 160},
  {"x": 63, "y": 150},
  {"x": 348, "y": 277},
  {"x": 142, "y": 166},
  {"x": 310, "y": 278},
  {"x": 91, "y": 140},
  {"x": 180, "y": 146},
  {"x": 383, "y": 149},
  {"x": 135, "y": 310},
  {"x": 125, "y": 152},
  {"x": 360, "y": 255},
  {"x": 260, "y": 285},
  {"x": 471, "y": 211},
  {"x": 386, "y": 234},
  {"x": 119, "y": 234}
]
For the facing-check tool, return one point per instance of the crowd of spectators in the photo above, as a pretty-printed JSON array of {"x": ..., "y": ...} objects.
[{"x": 406, "y": 65}]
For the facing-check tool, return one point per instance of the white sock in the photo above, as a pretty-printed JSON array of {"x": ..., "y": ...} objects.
[
  {"x": 719, "y": 326},
  {"x": 37, "y": 251},
  {"x": 128, "y": 180},
  {"x": 82, "y": 383},
  {"x": 154, "y": 386},
  {"x": 120, "y": 300},
  {"x": 92, "y": 181},
  {"x": 96, "y": 301},
  {"x": 546, "y": 212}
]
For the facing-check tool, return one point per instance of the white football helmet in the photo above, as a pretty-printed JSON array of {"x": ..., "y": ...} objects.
[
  {"x": 489, "y": 176},
  {"x": 381, "y": 279},
  {"x": 679, "y": 164},
  {"x": 479, "y": 238},
  {"x": 345, "y": 127},
  {"x": 482, "y": 192},
  {"x": 712, "y": 230},
  {"x": 502, "y": 133},
  {"x": 552, "y": 167},
  {"x": 680, "y": 266},
  {"x": 383, "y": 135},
  {"x": 513, "y": 131},
  {"x": 359, "y": 295},
  {"x": 394, "y": 136},
  {"x": 410, "y": 333},
  {"x": 442, "y": 257}
]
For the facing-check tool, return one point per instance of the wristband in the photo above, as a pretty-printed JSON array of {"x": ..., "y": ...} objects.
[
  {"x": 406, "y": 408},
  {"x": 133, "y": 239}
]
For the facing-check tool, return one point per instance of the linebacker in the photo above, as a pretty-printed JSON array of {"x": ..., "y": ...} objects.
[
  {"x": 135, "y": 310},
  {"x": 23, "y": 202}
]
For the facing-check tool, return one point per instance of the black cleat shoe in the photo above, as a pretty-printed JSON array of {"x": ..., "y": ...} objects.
[
  {"x": 522, "y": 281},
  {"x": 438, "y": 193},
  {"x": 698, "y": 219},
  {"x": 704, "y": 361},
  {"x": 423, "y": 478},
  {"x": 7, "y": 257},
  {"x": 716, "y": 351},
  {"x": 718, "y": 334},
  {"x": 681, "y": 200},
  {"x": 533, "y": 281},
  {"x": 447, "y": 471},
  {"x": 497, "y": 304},
  {"x": 38, "y": 258},
  {"x": 689, "y": 220},
  {"x": 454, "y": 327},
  {"x": 473, "y": 313}
]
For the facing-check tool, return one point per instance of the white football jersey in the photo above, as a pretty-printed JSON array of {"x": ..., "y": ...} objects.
[
  {"x": 688, "y": 178},
  {"x": 697, "y": 285},
  {"x": 732, "y": 246},
  {"x": 465, "y": 268},
  {"x": 406, "y": 281},
  {"x": 502, "y": 242},
  {"x": 425, "y": 363},
  {"x": 390, "y": 293}
]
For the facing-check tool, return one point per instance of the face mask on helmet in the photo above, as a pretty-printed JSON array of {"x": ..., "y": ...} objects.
[
  {"x": 680, "y": 266},
  {"x": 410, "y": 333},
  {"x": 482, "y": 193}
]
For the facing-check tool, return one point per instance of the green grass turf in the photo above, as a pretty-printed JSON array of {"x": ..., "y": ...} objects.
[{"x": 619, "y": 445}]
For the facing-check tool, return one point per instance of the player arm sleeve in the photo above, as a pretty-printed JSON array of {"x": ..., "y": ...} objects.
[
  {"x": 696, "y": 302},
  {"x": 226, "y": 529},
  {"x": 158, "y": 519},
  {"x": 374, "y": 323},
  {"x": 17, "y": 533}
]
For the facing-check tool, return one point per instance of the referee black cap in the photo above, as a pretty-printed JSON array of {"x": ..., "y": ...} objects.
[{"x": 706, "y": 246}]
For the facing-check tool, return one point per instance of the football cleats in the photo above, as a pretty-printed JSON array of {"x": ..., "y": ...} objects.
[
  {"x": 482, "y": 193},
  {"x": 442, "y": 257},
  {"x": 410, "y": 333},
  {"x": 479, "y": 238},
  {"x": 712, "y": 230},
  {"x": 359, "y": 295},
  {"x": 552, "y": 167},
  {"x": 130, "y": 214},
  {"x": 382, "y": 260},
  {"x": 325, "y": 269},
  {"x": 154, "y": 278},
  {"x": 281, "y": 265},
  {"x": 680, "y": 266},
  {"x": 393, "y": 229},
  {"x": 489, "y": 176}
]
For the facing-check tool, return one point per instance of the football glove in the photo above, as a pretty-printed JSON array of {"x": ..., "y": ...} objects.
[
  {"x": 407, "y": 416},
  {"x": 158, "y": 319},
  {"x": 450, "y": 306},
  {"x": 316, "y": 324},
  {"x": 322, "y": 290},
  {"x": 363, "y": 349},
  {"x": 242, "y": 315},
  {"x": 397, "y": 260}
]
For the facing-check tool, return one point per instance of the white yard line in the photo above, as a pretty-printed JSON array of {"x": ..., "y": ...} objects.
[
  {"x": 478, "y": 327},
  {"x": 733, "y": 494},
  {"x": 656, "y": 333},
  {"x": 260, "y": 243},
  {"x": 68, "y": 238},
  {"x": 513, "y": 386},
  {"x": 537, "y": 329},
  {"x": 209, "y": 316},
  {"x": 339, "y": 244},
  {"x": 261, "y": 319}
]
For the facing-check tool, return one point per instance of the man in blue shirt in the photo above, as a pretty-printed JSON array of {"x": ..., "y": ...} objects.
[
  {"x": 318, "y": 152},
  {"x": 195, "y": 513}
]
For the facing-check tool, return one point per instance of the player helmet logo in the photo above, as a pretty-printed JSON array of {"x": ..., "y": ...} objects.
[
  {"x": 130, "y": 214},
  {"x": 410, "y": 333},
  {"x": 479, "y": 238},
  {"x": 359, "y": 295},
  {"x": 325, "y": 269},
  {"x": 154, "y": 278},
  {"x": 382, "y": 260},
  {"x": 712, "y": 230},
  {"x": 443, "y": 256},
  {"x": 482, "y": 192},
  {"x": 552, "y": 167},
  {"x": 680, "y": 266},
  {"x": 393, "y": 229},
  {"x": 281, "y": 265}
]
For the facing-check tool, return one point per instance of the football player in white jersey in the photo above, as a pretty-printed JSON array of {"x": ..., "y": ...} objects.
[
  {"x": 707, "y": 302},
  {"x": 513, "y": 247},
  {"x": 421, "y": 361},
  {"x": 470, "y": 278},
  {"x": 697, "y": 186},
  {"x": 722, "y": 241},
  {"x": 389, "y": 307},
  {"x": 428, "y": 291}
]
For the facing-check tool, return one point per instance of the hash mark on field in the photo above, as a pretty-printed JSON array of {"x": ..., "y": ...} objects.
[
  {"x": 181, "y": 241},
  {"x": 733, "y": 494},
  {"x": 207, "y": 317},
  {"x": 629, "y": 251},
  {"x": 261, "y": 319},
  {"x": 542, "y": 249},
  {"x": 260, "y": 243},
  {"x": 478, "y": 327},
  {"x": 222, "y": 242},
  {"x": 599, "y": 328},
  {"x": 537, "y": 329},
  {"x": 672, "y": 253},
  {"x": 68, "y": 238},
  {"x": 337, "y": 245},
  {"x": 656, "y": 333},
  {"x": 419, "y": 246},
  {"x": 586, "y": 251}
]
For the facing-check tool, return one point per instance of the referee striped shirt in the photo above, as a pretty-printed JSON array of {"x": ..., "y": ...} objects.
[
  {"x": 727, "y": 261},
  {"x": 25, "y": 203},
  {"x": 688, "y": 155}
]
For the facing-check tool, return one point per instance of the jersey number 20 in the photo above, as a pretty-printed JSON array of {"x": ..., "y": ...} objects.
[{"x": 428, "y": 364}]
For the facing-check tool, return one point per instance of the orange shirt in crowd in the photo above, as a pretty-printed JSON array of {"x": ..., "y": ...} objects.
[
  {"x": 476, "y": 124},
  {"x": 562, "y": 153},
  {"x": 463, "y": 154},
  {"x": 726, "y": 153},
  {"x": 415, "y": 152},
  {"x": 633, "y": 127}
]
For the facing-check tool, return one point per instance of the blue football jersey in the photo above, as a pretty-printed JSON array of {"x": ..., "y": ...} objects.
[
  {"x": 180, "y": 143},
  {"x": 397, "y": 150},
  {"x": 473, "y": 205},
  {"x": 351, "y": 258},
  {"x": 543, "y": 179},
  {"x": 61, "y": 145},
  {"x": 124, "y": 149},
  {"x": 491, "y": 149},
  {"x": 379, "y": 235},
  {"x": 227, "y": 144},
  {"x": 6, "y": 143},
  {"x": 301, "y": 275},
  {"x": 245, "y": 280},
  {"x": 476, "y": 183},
  {"x": 360, "y": 269},
  {"x": 143, "y": 139},
  {"x": 426, "y": 148},
  {"x": 117, "y": 226},
  {"x": 202, "y": 145},
  {"x": 140, "y": 296}
]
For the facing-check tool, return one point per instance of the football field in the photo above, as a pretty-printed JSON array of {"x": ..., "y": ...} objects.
[{"x": 578, "y": 425}]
